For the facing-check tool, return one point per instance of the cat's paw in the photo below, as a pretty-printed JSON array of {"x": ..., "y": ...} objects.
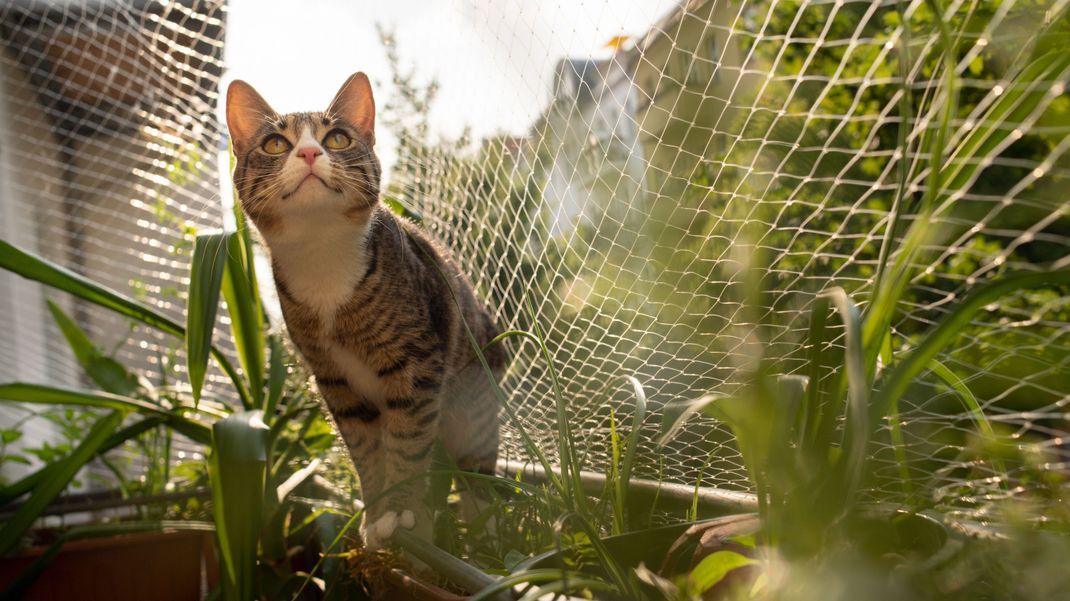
[{"x": 378, "y": 532}]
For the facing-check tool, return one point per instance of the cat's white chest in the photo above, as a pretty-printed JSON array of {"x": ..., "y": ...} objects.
[
  {"x": 361, "y": 378},
  {"x": 321, "y": 270},
  {"x": 324, "y": 286},
  {"x": 322, "y": 266}
]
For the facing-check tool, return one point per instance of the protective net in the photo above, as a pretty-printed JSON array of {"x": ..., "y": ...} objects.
[
  {"x": 791, "y": 137},
  {"x": 109, "y": 150},
  {"x": 782, "y": 136}
]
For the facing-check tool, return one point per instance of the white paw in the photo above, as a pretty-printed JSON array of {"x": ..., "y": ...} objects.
[
  {"x": 377, "y": 532},
  {"x": 383, "y": 528}
]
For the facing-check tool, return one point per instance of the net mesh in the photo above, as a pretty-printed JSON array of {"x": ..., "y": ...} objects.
[
  {"x": 781, "y": 134},
  {"x": 785, "y": 134},
  {"x": 109, "y": 150}
]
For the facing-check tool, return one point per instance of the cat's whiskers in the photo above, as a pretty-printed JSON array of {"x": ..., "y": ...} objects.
[{"x": 256, "y": 206}]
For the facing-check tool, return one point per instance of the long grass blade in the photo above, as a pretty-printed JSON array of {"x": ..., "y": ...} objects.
[
  {"x": 818, "y": 339},
  {"x": 906, "y": 123},
  {"x": 632, "y": 448},
  {"x": 527, "y": 577},
  {"x": 276, "y": 377},
  {"x": 894, "y": 283},
  {"x": 1030, "y": 89},
  {"x": 969, "y": 401},
  {"x": 896, "y": 383},
  {"x": 973, "y": 406},
  {"x": 566, "y": 445},
  {"x": 856, "y": 428}
]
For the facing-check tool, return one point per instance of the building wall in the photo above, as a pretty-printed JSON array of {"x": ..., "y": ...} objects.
[
  {"x": 29, "y": 203},
  {"x": 109, "y": 159},
  {"x": 624, "y": 136}
]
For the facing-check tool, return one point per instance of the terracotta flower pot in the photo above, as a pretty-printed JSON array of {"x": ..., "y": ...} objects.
[{"x": 163, "y": 566}]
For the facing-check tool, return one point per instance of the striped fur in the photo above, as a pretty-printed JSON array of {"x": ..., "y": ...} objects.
[{"x": 375, "y": 307}]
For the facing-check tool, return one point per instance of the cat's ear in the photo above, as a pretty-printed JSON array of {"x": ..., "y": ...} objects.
[
  {"x": 246, "y": 112},
  {"x": 354, "y": 103}
]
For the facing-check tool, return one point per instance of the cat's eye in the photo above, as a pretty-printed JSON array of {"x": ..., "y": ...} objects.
[
  {"x": 337, "y": 140},
  {"x": 275, "y": 144}
]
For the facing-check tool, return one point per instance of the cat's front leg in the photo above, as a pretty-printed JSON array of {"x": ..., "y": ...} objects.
[
  {"x": 469, "y": 433},
  {"x": 360, "y": 424},
  {"x": 410, "y": 426}
]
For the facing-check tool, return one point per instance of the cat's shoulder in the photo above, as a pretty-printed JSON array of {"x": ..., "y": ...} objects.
[{"x": 413, "y": 235}]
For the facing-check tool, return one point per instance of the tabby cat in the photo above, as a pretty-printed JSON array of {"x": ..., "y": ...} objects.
[{"x": 375, "y": 307}]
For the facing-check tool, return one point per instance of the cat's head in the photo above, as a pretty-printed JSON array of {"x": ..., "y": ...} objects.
[{"x": 299, "y": 169}]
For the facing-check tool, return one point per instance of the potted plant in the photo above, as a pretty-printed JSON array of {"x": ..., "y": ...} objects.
[{"x": 270, "y": 510}]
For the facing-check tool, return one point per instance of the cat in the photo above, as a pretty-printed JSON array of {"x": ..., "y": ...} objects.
[{"x": 374, "y": 306}]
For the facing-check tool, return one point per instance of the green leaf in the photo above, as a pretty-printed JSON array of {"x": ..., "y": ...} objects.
[
  {"x": 83, "y": 348},
  {"x": 48, "y": 489},
  {"x": 513, "y": 558},
  {"x": 1029, "y": 89},
  {"x": 238, "y": 468},
  {"x": 790, "y": 392},
  {"x": 714, "y": 567},
  {"x": 39, "y": 269},
  {"x": 976, "y": 411},
  {"x": 246, "y": 313},
  {"x": 54, "y": 395},
  {"x": 206, "y": 276},
  {"x": 739, "y": 413},
  {"x": 857, "y": 428},
  {"x": 818, "y": 360},
  {"x": 495, "y": 590},
  {"x": 969, "y": 401},
  {"x": 630, "y": 452},
  {"x": 895, "y": 384},
  {"x": 105, "y": 371},
  {"x": 276, "y": 376},
  {"x": 675, "y": 415}
]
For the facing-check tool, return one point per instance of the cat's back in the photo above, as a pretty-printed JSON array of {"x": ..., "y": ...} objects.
[
  {"x": 442, "y": 284},
  {"x": 413, "y": 298}
]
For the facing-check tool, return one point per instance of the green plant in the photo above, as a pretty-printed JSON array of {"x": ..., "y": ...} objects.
[
  {"x": 806, "y": 438},
  {"x": 269, "y": 513}
]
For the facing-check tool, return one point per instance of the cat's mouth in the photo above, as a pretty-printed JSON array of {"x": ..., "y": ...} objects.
[
  {"x": 305, "y": 180},
  {"x": 311, "y": 176}
]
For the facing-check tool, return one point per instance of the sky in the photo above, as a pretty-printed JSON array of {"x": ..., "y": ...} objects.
[{"x": 493, "y": 59}]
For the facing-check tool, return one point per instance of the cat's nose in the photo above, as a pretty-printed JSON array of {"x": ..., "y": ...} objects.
[{"x": 309, "y": 153}]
